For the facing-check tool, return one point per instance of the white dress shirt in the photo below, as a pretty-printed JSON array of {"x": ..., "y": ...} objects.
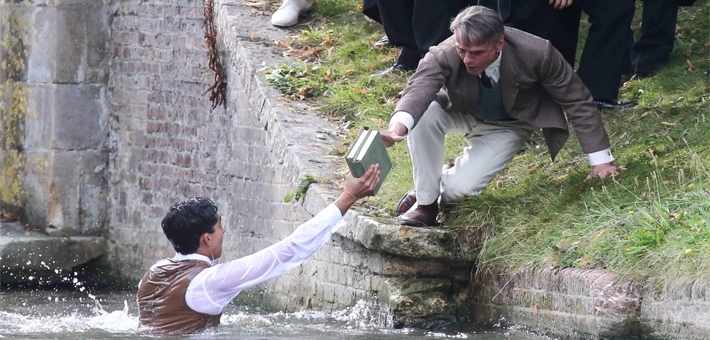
[
  {"x": 493, "y": 72},
  {"x": 213, "y": 288}
]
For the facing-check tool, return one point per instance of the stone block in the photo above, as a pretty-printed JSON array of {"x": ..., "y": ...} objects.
[
  {"x": 66, "y": 117},
  {"x": 97, "y": 45},
  {"x": 69, "y": 43},
  {"x": 71, "y": 37},
  {"x": 406, "y": 267},
  {"x": 42, "y": 59},
  {"x": 37, "y": 186},
  {"x": 26, "y": 253},
  {"x": 69, "y": 192}
]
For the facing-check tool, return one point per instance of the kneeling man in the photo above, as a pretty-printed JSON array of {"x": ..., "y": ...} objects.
[{"x": 496, "y": 85}]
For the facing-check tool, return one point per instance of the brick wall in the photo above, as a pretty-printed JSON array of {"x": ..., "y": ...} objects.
[{"x": 167, "y": 145}]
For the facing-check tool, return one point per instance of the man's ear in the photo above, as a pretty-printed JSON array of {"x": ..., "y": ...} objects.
[{"x": 206, "y": 238}]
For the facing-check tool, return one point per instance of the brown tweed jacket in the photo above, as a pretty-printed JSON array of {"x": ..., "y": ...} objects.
[{"x": 536, "y": 85}]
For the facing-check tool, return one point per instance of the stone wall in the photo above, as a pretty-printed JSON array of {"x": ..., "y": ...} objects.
[
  {"x": 55, "y": 60},
  {"x": 573, "y": 303},
  {"x": 680, "y": 310}
]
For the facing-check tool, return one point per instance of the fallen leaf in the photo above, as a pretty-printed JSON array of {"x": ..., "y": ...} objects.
[
  {"x": 669, "y": 124},
  {"x": 253, "y": 4},
  {"x": 692, "y": 67}
]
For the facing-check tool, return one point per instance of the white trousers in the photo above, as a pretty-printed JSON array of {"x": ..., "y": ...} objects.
[{"x": 491, "y": 146}]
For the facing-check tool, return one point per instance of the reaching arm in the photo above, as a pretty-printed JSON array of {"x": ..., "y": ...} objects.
[
  {"x": 216, "y": 286},
  {"x": 567, "y": 89}
]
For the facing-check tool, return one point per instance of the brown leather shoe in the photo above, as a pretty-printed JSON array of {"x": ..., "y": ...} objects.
[
  {"x": 406, "y": 202},
  {"x": 421, "y": 215}
]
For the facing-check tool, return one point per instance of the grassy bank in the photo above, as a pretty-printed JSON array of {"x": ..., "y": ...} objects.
[{"x": 651, "y": 221}]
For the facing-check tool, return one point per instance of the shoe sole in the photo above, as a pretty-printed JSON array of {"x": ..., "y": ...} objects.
[{"x": 411, "y": 223}]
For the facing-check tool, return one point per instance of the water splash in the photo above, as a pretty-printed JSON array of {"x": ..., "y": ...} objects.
[{"x": 113, "y": 322}]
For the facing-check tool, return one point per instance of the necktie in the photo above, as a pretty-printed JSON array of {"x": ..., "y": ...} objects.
[{"x": 485, "y": 81}]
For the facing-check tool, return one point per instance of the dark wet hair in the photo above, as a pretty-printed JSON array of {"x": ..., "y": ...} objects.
[
  {"x": 477, "y": 24},
  {"x": 187, "y": 221}
]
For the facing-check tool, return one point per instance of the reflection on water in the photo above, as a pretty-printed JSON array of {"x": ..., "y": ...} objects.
[{"x": 57, "y": 314}]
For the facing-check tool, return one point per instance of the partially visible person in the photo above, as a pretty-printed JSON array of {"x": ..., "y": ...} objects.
[
  {"x": 606, "y": 49},
  {"x": 553, "y": 20},
  {"x": 416, "y": 25},
  {"x": 187, "y": 293},
  {"x": 653, "y": 48},
  {"x": 496, "y": 85},
  {"x": 289, "y": 11},
  {"x": 371, "y": 10}
]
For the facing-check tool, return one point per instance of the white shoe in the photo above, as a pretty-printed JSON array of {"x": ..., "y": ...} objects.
[{"x": 287, "y": 14}]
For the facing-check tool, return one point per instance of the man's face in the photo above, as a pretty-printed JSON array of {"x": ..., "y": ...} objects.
[
  {"x": 217, "y": 238},
  {"x": 477, "y": 57}
]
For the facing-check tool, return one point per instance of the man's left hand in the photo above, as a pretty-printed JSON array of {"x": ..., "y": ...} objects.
[{"x": 605, "y": 169}]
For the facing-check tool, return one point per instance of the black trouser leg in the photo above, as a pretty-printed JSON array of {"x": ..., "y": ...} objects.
[
  {"x": 653, "y": 48},
  {"x": 606, "y": 47},
  {"x": 370, "y": 10},
  {"x": 566, "y": 32},
  {"x": 561, "y": 27},
  {"x": 397, "y": 16},
  {"x": 431, "y": 21}
]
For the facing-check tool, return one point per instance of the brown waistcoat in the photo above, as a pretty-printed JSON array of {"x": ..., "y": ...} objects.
[{"x": 161, "y": 298}]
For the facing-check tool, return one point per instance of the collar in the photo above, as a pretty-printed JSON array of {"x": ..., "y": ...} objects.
[
  {"x": 193, "y": 256},
  {"x": 493, "y": 70}
]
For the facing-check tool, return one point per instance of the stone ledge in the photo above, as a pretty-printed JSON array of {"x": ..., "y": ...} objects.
[{"x": 25, "y": 253}]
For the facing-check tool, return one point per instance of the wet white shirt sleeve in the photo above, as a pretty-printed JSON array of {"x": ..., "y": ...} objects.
[{"x": 213, "y": 288}]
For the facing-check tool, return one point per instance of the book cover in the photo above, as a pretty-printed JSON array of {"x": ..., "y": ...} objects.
[{"x": 367, "y": 149}]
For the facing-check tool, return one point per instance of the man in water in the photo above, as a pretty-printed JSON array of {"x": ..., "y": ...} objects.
[{"x": 187, "y": 293}]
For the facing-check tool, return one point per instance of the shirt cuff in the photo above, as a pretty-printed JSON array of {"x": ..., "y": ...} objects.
[
  {"x": 331, "y": 214},
  {"x": 403, "y": 117},
  {"x": 600, "y": 157}
]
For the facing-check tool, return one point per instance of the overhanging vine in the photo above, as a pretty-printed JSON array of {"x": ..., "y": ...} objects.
[{"x": 218, "y": 90}]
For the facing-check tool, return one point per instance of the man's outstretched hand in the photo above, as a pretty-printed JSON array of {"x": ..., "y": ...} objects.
[
  {"x": 394, "y": 135},
  {"x": 365, "y": 185},
  {"x": 605, "y": 169},
  {"x": 357, "y": 188}
]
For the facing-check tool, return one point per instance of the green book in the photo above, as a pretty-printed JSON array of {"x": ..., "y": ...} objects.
[{"x": 367, "y": 149}]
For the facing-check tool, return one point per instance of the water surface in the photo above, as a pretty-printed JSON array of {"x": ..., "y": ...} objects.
[{"x": 63, "y": 314}]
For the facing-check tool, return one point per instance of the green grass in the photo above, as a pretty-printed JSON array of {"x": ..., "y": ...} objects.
[{"x": 651, "y": 221}]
